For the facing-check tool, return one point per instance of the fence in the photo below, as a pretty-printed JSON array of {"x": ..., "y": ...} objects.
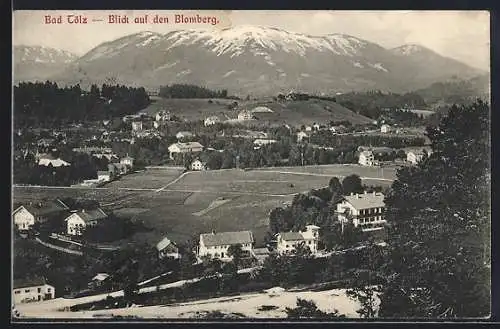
[{"x": 68, "y": 251}]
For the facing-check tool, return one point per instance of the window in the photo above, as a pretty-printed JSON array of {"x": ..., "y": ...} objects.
[
  {"x": 26, "y": 290},
  {"x": 39, "y": 290},
  {"x": 309, "y": 242},
  {"x": 17, "y": 292},
  {"x": 222, "y": 254},
  {"x": 287, "y": 246}
]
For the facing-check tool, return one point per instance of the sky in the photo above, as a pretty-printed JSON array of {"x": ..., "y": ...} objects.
[{"x": 462, "y": 35}]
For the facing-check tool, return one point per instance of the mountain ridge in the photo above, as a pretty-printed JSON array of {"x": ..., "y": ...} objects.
[{"x": 259, "y": 60}]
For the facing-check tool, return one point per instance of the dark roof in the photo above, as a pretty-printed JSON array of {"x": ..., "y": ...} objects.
[
  {"x": 45, "y": 208},
  {"x": 227, "y": 238},
  {"x": 102, "y": 172},
  {"x": 31, "y": 282},
  {"x": 291, "y": 236},
  {"x": 91, "y": 215}
]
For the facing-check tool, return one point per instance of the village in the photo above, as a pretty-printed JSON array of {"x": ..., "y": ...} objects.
[{"x": 80, "y": 227}]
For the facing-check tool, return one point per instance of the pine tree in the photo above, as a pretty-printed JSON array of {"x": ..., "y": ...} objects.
[{"x": 439, "y": 217}]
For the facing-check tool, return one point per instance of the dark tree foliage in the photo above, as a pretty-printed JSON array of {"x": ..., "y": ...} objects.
[
  {"x": 352, "y": 184},
  {"x": 371, "y": 103},
  {"x": 45, "y": 104},
  {"x": 439, "y": 213},
  {"x": 325, "y": 138},
  {"x": 190, "y": 91},
  {"x": 307, "y": 309}
]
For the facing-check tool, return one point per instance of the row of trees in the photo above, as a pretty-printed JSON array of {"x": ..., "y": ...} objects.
[
  {"x": 371, "y": 104},
  {"x": 190, "y": 91},
  {"x": 46, "y": 104},
  {"x": 325, "y": 138}
]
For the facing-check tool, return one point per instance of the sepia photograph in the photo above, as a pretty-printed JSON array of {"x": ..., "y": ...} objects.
[{"x": 212, "y": 165}]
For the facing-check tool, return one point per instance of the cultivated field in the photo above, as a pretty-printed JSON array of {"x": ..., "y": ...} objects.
[{"x": 182, "y": 206}]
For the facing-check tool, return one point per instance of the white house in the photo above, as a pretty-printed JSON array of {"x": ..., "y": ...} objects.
[
  {"x": 162, "y": 116},
  {"x": 198, "y": 165},
  {"x": 25, "y": 291},
  {"x": 211, "y": 120},
  {"x": 26, "y": 216},
  {"x": 216, "y": 245},
  {"x": 261, "y": 141},
  {"x": 309, "y": 128},
  {"x": 385, "y": 129},
  {"x": 183, "y": 135},
  {"x": 103, "y": 176},
  {"x": 80, "y": 220},
  {"x": 301, "y": 135},
  {"x": 366, "y": 210},
  {"x": 245, "y": 115},
  {"x": 128, "y": 161},
  {"x": 288, "y": 241},
  {"x": 182, "y": 148},
  {"x": 49, "y": 161},
  {"x": 167, "y": 249},
  {"x": 415, "y": 156},
  {"x": 366, "y": 158},
  {"x": 316, "y": 126},
  {"x": 137, "y": 126}
]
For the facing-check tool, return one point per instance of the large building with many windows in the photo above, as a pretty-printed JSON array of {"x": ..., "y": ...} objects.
[
  {"x": 33, "y": 290},
  {"x": 366, "y": 210}
]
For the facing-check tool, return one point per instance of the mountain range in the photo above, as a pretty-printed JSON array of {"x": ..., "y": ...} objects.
[{"x": 245, "y": 60}]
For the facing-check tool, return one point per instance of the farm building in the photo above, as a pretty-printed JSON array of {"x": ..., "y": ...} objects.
[
  {"x": 167, "y": 249},
  {"x": 245, "y": 115},
  {"x": 385, "y": 129},
  {"x": 288, "y": 241},
  {"x": 216, "y": 245},
  {"x": 210, "y": 121},
  {"x": 183, "y": 148},
  {"x": 365, "y": 210},
  {"x": 78, "y": 221},
  {"x": 36, "y": 289},
  {"x": 26, "y": 216},
  {"x": 261, "y": 141},
  {"x": 51, "y": 161}
]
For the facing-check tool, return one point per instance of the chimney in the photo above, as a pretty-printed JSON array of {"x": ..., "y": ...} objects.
[
  {"x": 83, "y": 210},
  {"x": 374, "y": 193},
  {"x": 213, "y": 231},
  {"x": 352, "y": 193},
  {"x": 364, "y": 192}
]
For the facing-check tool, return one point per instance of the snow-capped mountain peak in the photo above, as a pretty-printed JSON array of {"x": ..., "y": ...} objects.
[
  {"x": 236, "y": 40},
  {"x": 409, "y": 49},
  {"x": 41, "y": 54}
]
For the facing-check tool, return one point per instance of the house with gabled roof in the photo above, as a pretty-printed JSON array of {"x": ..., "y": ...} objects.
[
  {"x": 167, "y": 249},
  {"x": 366, "y": 210},
  {"x": 182, "y": 148},
  {"x": 80, "y": 220},
  {"x": 287, "y": 242},
  {"x": 25, "y": 216},
  {"x": 216, "y": 245},
  {"x": 32, "y": 290}
]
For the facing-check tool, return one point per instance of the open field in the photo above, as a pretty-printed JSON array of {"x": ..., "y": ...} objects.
[
  {"x": 291, "y": 112},
  {"x": 245, "y": 304},
  {"x": 153, "y": 178},
  {"x": 182, "y": 206}
]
